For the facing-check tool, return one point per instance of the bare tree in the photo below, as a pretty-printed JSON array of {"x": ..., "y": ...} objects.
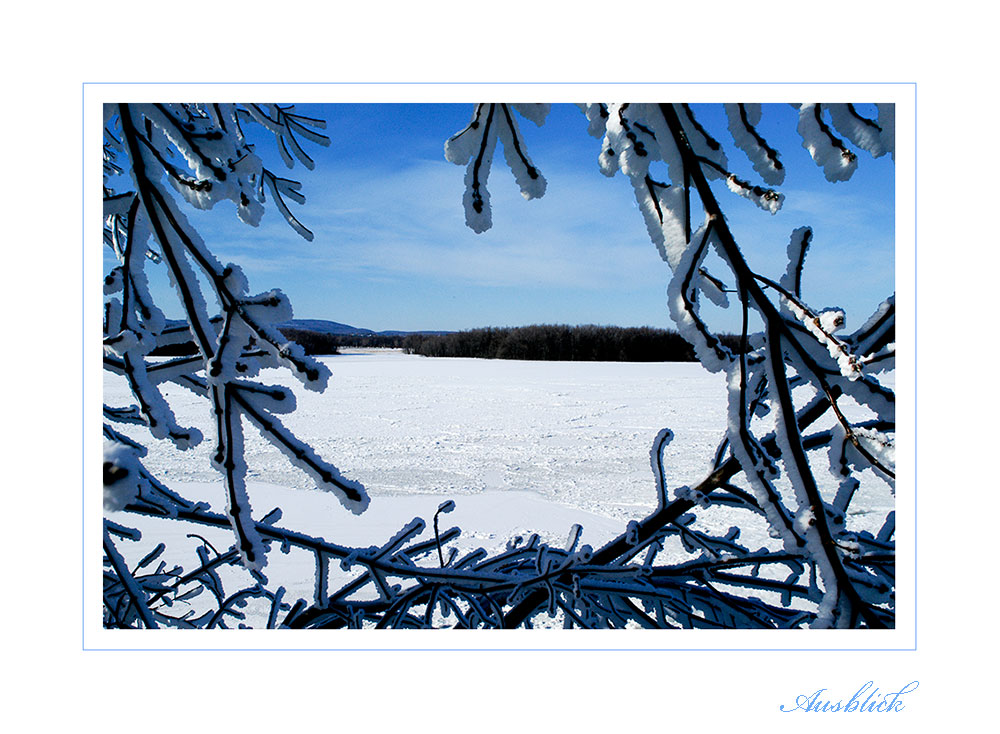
[{"x": 787, "y": 382}]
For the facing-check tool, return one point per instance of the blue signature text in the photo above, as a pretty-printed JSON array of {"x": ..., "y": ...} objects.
[{"x": 867, "y": 699}]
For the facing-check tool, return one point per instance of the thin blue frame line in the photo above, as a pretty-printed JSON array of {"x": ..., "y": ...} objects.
[
  {"x": 499, "y": 649},
  {"x": 494, "y": 84},
  {"x": 540, "y": 649},
  {"x": 83, "y": 365},
  {"x": 916, "y": 606}
]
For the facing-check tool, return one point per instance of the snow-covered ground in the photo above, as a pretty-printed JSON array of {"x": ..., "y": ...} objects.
[
  {"x": 520, "y": 447},
  {"x": 576, "y": 433}
]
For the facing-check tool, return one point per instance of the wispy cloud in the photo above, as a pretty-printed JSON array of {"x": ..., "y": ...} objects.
[
  {"x": 391, "y": 245},
  {"x": 583, "y": 233}
]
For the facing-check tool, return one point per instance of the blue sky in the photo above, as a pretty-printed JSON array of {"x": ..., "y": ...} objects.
[{"x": 391, "y": 249}]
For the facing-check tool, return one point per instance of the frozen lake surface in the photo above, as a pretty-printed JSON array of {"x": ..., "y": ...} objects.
[
  {"x": 520, "y": 447},
  {"x": 576, "y": 433}
]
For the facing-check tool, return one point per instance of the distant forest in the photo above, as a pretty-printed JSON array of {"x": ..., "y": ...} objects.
[
  {"x": 559, "y": 342},
  {"x": 542, "y": 342},
  {"x": 316, "y": 342}
]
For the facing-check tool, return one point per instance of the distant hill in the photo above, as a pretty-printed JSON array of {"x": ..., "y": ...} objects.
[
  {"x": 317, "y": 336},
  {"x": 407, "y": 333},
  {"x": 322, "y": 326}
]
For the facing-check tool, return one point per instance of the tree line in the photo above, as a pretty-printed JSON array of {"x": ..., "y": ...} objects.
[
  {"x": 312, "y": 342},
  {"x": 317, "y": 342},
  {"x": 539, "y": 342},
  {"x": 558, "y": 342}
]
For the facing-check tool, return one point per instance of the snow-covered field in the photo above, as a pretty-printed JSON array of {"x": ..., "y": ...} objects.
[
  {"x": 519, "y": 446},
  {"x": 576, "y": 433}
]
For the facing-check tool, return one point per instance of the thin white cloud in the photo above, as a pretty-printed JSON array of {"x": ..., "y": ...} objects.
[
  {"x": 386, "y": 234},
  {"x": 582, "y": 233}
]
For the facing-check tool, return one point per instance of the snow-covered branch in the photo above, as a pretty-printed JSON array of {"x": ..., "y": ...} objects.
[{"x": 201, "y": 152}]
